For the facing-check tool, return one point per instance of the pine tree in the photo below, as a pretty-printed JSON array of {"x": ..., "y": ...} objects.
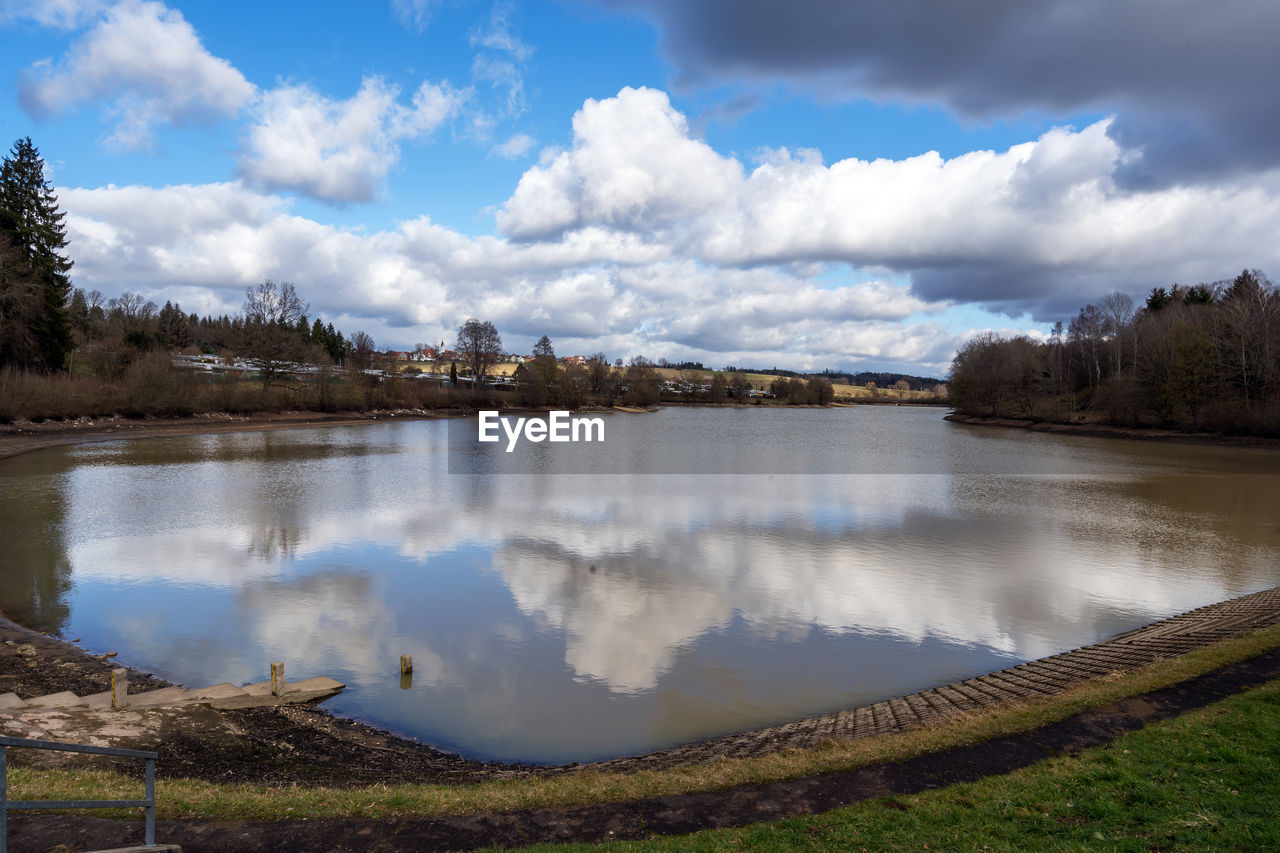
[{"x": 32, "y": 226}]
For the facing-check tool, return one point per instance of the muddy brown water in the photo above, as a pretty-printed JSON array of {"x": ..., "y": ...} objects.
[{"x": 698, "y": 572}]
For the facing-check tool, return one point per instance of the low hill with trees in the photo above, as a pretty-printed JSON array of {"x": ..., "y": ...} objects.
[{"x": 1205, "y": 356}]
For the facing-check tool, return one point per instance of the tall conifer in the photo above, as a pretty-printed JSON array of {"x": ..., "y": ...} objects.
[{"x": 32, "y": 226}]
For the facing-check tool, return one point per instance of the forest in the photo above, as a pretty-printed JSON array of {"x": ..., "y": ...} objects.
[{"x": 1203, "y": 357}]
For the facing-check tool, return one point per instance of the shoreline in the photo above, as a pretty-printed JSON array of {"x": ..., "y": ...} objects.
[
  {"x": 23, "y": 436},
  {"x": 301, "y": 744},
  {"x": 1218, "y": 439},
  {"x": 307, "y": 745}
]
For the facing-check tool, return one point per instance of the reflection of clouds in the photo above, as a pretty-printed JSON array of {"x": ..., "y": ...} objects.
[
  {"x": 327, "y": 617},
  {"x": 624, "y": 620},
  {"x": 209, "y": 556},
  {"x": 1020, "y": 565},
  {"x": 1017, "y": 579}
]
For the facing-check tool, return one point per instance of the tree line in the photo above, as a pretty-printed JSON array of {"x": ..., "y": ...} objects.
[
  {"x": 1203, "y": 356},
  {"x": 68, "y": 352},
  {"x": 43, "y": 319}
]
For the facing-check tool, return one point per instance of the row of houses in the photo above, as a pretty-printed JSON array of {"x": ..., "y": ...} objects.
[
  {"x": 433, "y": 354},
  {"x": 565, "y": 359},
  {"x": 680, "y": 387}
]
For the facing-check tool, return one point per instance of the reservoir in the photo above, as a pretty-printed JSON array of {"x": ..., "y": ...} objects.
[{"x": 698, "y": 572}]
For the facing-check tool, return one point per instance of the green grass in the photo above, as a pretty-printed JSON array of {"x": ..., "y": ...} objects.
[
  {"x": 1205, "y": 781},
  {"x": 187, "y": 798}
]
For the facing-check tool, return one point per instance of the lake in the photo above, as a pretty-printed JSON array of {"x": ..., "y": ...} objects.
[{"x": 699, "y": 572}]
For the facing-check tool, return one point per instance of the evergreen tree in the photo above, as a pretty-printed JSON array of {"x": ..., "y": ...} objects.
[{"x": 32, "y": 226}]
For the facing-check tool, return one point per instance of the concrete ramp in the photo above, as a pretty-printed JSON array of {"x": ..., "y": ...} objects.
[{"x": 224, "y": 695}]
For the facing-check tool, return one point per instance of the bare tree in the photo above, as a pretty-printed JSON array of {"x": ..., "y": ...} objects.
[
  {"x": 272, "y": 341},
  {"x": 273, "y": 304},
  {"x": 1086, "y": 330},
  {"x": 130, "y": 313},
  {"x": 362, "y": 351},
  {"x": 719, "y": 385},
  {"x": 598, "y": 371},
  {"x": 480, "y": 346},
  {"x": 641, "y": 379},
  {"x": 1117, "y": 307}
]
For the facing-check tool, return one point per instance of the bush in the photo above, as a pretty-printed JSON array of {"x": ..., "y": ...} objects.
[{"x": 152, "y": 386}]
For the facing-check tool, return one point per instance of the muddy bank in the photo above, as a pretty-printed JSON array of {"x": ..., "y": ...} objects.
[
  {"x": 672, "y": 815},
  {"x": 1100, "y": 430},
  {"x": 22, "y": 436}
]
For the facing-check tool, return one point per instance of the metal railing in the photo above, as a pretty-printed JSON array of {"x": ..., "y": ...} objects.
[{"x": 7, "y": 805}]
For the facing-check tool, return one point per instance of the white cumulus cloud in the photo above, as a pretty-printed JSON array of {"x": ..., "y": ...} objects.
[
  {"x": 59, "y": 14},
  {"x": 147, "y": 64},
  {"x": 1022, "y": 229},
  {"x": 338, "y": 150},
  {"x": 639, "y": 238},
  {"x": 515, "y": 147},
  {"x": 632, "y": 166}
]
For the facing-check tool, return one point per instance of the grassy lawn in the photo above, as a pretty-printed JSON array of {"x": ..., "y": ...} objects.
[
  {"x": 1208, "y": 780},
  {"x": 183, "y": 798}
]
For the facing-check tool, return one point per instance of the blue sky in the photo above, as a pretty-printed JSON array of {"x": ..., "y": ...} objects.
[{"x": 820, "y": 185}]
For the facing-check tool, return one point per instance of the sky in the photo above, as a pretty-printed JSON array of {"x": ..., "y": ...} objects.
[{"x": 808, "y": 185}]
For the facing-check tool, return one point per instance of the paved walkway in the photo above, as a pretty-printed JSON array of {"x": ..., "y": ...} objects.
[{"x": 1044, "y": 677}]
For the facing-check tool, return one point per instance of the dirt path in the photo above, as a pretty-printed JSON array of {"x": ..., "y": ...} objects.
[{"x": 667, "y": 815}]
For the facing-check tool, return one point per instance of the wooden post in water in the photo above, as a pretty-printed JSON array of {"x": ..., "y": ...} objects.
[
  {"x": 119, "y": 689},
  {"x": 277, "y": 678},
  {"x": 406, "y": 672}
]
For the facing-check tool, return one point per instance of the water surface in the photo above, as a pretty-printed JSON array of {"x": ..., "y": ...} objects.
[{"x": 697, "y": 589}]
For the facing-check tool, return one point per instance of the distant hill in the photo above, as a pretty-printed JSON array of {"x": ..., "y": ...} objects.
[{"x": 882, "y": 380}]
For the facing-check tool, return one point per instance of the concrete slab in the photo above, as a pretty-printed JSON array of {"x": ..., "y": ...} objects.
[
  {"x": 65, "y": 699},
  {"x": 9, "y": 701},
  {"x": 218, "y": 691},
  {"x": 98, "y": 701},
  {"x": 298, "y": 697},
  {"x": 163, "y": 696},
  {"x": 321, "y": 683},
  {"x": 295, "y": 693}
]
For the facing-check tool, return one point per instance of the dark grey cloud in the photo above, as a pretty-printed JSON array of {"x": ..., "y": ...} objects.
[{"x": 1191, "y": 82}]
